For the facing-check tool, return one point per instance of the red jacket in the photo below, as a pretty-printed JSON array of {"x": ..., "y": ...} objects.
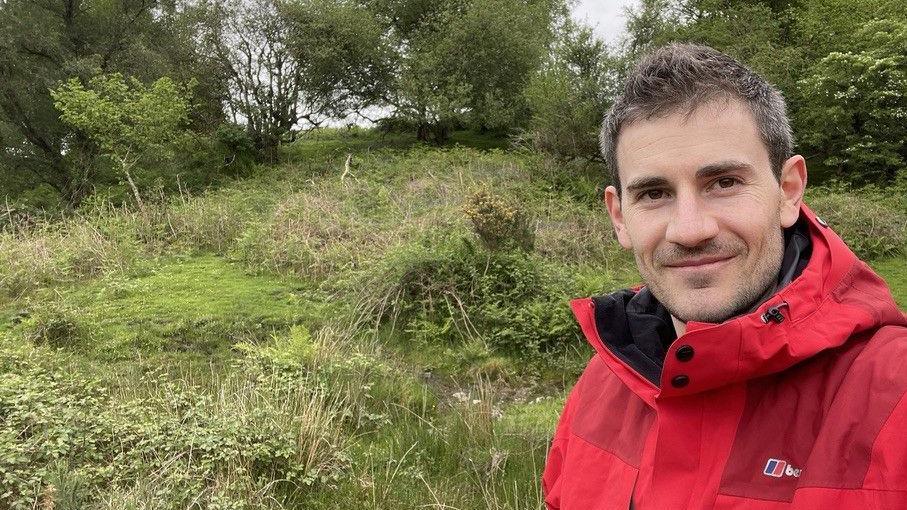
[{"x": 803, "y": 413}]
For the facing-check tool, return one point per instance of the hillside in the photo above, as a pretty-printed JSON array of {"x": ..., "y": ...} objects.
[{"x": 372, "y": 323}]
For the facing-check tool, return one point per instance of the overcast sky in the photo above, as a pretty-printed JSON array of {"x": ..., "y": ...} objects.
[{"x": 607, "y": 16}]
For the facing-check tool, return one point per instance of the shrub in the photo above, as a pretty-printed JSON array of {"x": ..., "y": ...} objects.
[
  {"x": 499, "y": 223},
  {"x": 216, "y": 221},
  {"x": 868, "y": 221},
  {"x": 89, "y": 244},
  {"x": 97, "y": 243},
  {"x": 27, "y": 262},
  {"x": 448, "y": 290}
]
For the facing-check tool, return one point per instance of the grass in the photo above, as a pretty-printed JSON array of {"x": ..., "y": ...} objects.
[
  {"x": 894, "y": 271},
  {"x": 344, "y": 290},
  {"x": 197, "y": 305}
]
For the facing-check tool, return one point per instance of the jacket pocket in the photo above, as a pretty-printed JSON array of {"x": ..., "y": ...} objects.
[{"x": 592, "y": 479}]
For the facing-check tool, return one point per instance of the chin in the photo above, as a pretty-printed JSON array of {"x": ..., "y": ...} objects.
[{"x": 701, "y": 308}]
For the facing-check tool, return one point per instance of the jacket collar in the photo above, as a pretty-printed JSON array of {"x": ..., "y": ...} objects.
[{"x": 835, "y": 297}]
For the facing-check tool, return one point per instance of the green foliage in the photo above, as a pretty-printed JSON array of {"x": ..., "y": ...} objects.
[
  {"x": 872, "y": 224},
  {"x": 448, "y": 291},
  {"x": 57, "y": 324},
  {"x": 343, "y": 51},
  {"x": 124, "y": 116},
  {"x": 469, "y": 64},
  {"x": 126, "y": 119},
  {"x": 44, "y": 43},
  {"x": 200, "y": 307},
  {"x": 93, "y": 244},
  {"x": 498, "y": 222},
  {"x": 244, "y": 444},
  {"x": 493, "y": 47},
  {"x": 569, "y": 96},
  {"x": 236, "y": 149},
  {"x": 857, "y": 105}
]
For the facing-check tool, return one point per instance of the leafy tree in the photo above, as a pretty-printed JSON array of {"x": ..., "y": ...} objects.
[
  {"x": 570, "y": 95},
  {"x": 857, "y": 104},
  {"x": 344, "y": 51},
  {"x": 43, "y": 42},
  {"x": 493, "y": 48},
  {"x": 824, "y": 26},
  {"x": 295, "y": 64},
  {"x": 125, "y": 118},
  {"x": 465, "y": 62},
  {"x": 249, "y": 41}
]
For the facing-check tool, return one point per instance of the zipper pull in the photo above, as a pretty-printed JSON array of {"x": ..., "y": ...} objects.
[{"x": 774, "y": 313}]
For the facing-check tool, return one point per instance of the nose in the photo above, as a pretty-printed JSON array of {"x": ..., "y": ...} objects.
[{"x": 692, "y": 224}]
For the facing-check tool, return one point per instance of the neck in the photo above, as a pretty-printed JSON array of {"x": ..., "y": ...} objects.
[{"x": 680, "y": 327}]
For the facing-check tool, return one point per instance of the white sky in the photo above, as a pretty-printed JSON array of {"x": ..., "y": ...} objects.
[{"x": 606, "y": 16}]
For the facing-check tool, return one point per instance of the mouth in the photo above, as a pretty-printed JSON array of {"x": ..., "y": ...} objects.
[{"x": 700, "y": 263}]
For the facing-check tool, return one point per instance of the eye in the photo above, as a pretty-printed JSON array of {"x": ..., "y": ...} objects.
[
  {"x": 652, "y": 194},
  {"x": 726, "y": 182}
]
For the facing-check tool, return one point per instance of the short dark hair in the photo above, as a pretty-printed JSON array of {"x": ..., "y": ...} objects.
[{"x": 684, "y": 77}]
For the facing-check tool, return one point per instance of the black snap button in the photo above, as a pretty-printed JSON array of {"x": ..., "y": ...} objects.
[
  {"x": 684, "y": 353},
  {"x": 680, "y": 381}
]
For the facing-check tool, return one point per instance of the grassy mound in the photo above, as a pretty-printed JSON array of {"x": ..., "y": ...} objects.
[{"x": 371, "y": 324}]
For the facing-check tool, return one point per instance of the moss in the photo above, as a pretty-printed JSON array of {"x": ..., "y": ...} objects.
[{"x": 200, "y": 305}]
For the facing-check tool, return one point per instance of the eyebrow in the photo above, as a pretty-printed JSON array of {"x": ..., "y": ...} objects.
[
  {"x": 714, "y": 169},
  {"x": 710, "y": 170}
]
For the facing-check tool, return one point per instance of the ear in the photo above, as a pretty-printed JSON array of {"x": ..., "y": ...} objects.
[
  {"x": 793, "y": 184},
  {"x": 612, "y": 202}
]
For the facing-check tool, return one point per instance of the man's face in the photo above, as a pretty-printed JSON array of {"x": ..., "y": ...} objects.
[{"x": 701, "y": 209}]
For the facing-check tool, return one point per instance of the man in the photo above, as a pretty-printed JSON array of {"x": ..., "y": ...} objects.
[{"x": 762, "y": 365}]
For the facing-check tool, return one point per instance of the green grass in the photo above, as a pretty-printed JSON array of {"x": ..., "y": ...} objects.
[
  {"x": 199, "y": 306},
  {"x": 894, "y": 271},
  {"x": 340, "y": 142}
]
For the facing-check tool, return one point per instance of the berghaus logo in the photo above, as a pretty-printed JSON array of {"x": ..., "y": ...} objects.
[{"x": 778, "y": 468}]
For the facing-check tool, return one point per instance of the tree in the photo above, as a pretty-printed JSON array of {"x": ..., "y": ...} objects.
[
  {"x": 569, "y": 96},
  {"x": 857, "y": 105},
  {"x": 346, "y": 57},
  {"x": 125, "y": 118},
  {"x": 278, "y": 58},
  {"x": 43, "y": 42},
  {"x": 464, "y": 62}
]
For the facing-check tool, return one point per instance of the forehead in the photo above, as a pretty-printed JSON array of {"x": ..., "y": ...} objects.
[{"x": 675, "y": 146}]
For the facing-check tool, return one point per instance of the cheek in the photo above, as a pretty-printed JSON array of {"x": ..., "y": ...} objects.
[{"x": 645, "y": 239}]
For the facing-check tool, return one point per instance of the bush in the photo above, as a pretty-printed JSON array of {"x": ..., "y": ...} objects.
[
  {"x": 868, "y": 220},
  {"x": 26, "y": 263},
  {"x": 216, "y": 221},
  {"x": 498, "y": 222},
  {"x": 95, "y": 242},
  {"x": 448, "y": 290},
  {"x": 569, "y": 97}
]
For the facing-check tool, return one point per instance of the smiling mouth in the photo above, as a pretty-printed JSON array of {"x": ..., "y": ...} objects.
[{"x": 704, "y": 263}]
